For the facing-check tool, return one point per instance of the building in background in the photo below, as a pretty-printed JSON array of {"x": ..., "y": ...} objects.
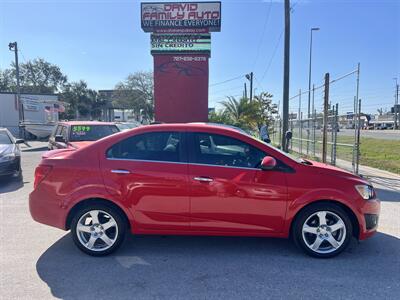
[{"x": 40, "y": 112}]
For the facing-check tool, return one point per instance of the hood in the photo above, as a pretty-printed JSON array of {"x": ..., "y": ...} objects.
[
  {"x": 329, "y": 170},
  {"x": 6, "y": 149},
  {"x": 324, "y": 168},
  {"x": 79, "y": 145}
]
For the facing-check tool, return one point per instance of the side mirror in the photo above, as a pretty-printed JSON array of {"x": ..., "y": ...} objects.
[
  {"x": 268, "y": 163},
  {"x": 59, "y": 139},
  {"x": 19, "y": 141}
]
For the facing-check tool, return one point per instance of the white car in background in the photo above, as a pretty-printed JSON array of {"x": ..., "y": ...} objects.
[{"x": 124, "y": 126}]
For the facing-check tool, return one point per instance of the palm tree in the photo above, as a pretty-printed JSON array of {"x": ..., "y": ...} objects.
[{"x": 243, "y": 113}]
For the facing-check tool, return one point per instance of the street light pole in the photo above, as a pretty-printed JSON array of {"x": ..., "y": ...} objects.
[
  {"x": 309, "y": 70},
  {"x": 309, "y": 87},
  {"x": 250, "y": 78},
  {"x": 14, "y": 47}
]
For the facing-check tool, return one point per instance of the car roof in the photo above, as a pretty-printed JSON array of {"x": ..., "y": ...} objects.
[
  {"x": 192, "y": 126},
  {"x": 85, "y": 123}
]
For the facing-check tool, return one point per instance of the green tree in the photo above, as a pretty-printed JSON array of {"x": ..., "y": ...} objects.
[
  {"x": 242, "y": 113},
  {"x": 136, "y": 93},
  {"x": 266, "y": 109},
  {"x": 81, "y": 102},
  {"x": 220, "y": 116},
  {"x": 36, "y": 76},
  {"x": 246, "y": 114},
  {"x": 6, "y": 81}
]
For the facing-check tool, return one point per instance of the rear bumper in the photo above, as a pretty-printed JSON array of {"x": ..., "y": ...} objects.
[
  {"x": 368, "y": 218},
  {"x": 46, "y": 211}
]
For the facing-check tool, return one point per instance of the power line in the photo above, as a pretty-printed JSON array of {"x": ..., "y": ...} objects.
[
  {"x": 223, "y": 98},
  {"x": 228, "y": 80},
  {"x": 276, "y": 45},
  {"x": 322, "y": 85},
  {"x": 273, "y": 55},
  {"x": 263, "y": 33},
  {"x": 228, "y": 89}
]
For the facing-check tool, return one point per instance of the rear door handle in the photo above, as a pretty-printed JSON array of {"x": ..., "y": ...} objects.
[
  {"x": 203, "y": 179},
  {"x": 120, "y": 171}
]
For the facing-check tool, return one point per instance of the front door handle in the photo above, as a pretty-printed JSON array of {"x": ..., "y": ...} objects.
[
  {"x": 203, "y": 179},
  {"x": 120, "y": 171}
]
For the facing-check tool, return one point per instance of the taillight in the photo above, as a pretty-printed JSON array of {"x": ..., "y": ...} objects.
[{"x": 40, "y": 173}]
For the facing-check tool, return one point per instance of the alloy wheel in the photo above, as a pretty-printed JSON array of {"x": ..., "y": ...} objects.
[
  {"x": 97, "y": 230},
  {"x": 324, "y": 232}
]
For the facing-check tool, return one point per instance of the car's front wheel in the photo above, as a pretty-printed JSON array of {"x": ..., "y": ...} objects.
[
  {"x": 322, "y": 230},
  {"x": 98, "y": 229}
]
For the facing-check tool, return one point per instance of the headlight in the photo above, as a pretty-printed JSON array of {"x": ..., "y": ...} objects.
[
  {"x": 365, "y": 191},
  {"x": 7, "y": 157}
]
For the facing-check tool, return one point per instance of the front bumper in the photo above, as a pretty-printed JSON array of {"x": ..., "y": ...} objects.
[
  {"x": 10, "y": 167},
  {"x": 368, "y": 218}
]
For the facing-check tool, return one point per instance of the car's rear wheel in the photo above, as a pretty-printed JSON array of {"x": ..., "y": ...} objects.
[
  {"x": 322, "y": 230},
  {"x": 98, "y": 229}
]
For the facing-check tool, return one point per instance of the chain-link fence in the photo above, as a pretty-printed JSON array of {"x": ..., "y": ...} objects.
[{"x": 325, "y": 121}]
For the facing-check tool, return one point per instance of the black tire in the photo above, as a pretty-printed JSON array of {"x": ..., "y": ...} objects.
[
  {"x": 18, "y": 175},
  {"x": 115, "y": 214},
  {"x": 306, "y": 213}
]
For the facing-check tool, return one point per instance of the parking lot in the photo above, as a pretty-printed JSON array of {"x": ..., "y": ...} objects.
[{"x": 40, "y": 262}]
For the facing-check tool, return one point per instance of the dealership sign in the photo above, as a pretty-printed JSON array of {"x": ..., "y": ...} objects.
[
  {"x": 161, "y": 43},
  {"x": 158, "y": 16}
]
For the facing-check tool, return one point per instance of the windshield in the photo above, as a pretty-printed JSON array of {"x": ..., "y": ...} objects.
[
  {"x": 4, "y": 138},
  {"x": 91, "y": 132},
  {"x": 288, "y": 155}
]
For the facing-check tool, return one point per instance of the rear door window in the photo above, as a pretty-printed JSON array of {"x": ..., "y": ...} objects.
[{"x": 154, "y": 146}]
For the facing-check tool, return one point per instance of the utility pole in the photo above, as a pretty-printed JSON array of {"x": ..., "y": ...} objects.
[
  {"x": 396, "y": 108},
  {"x": 245, "y": 90},
  {"x": 250, "y": 78},
  {"x": 299, "y": 118},
  {"x": 325, "y": 125},
  {"x": 14, "y": 47},
  {"x": 286, "y": 69},
  {"x": 396, "y": 104},
  {"x": 358, "y": 136}
]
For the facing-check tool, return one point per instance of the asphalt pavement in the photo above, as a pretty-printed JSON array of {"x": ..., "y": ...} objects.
[
  {"x": 40, "y": 262},
  {"x": 375, "y": 134}
]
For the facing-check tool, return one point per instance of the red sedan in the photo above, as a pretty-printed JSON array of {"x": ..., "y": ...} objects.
[
  {"x": 197, "y": 179},
  {"x": 78, "y": 134}
]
